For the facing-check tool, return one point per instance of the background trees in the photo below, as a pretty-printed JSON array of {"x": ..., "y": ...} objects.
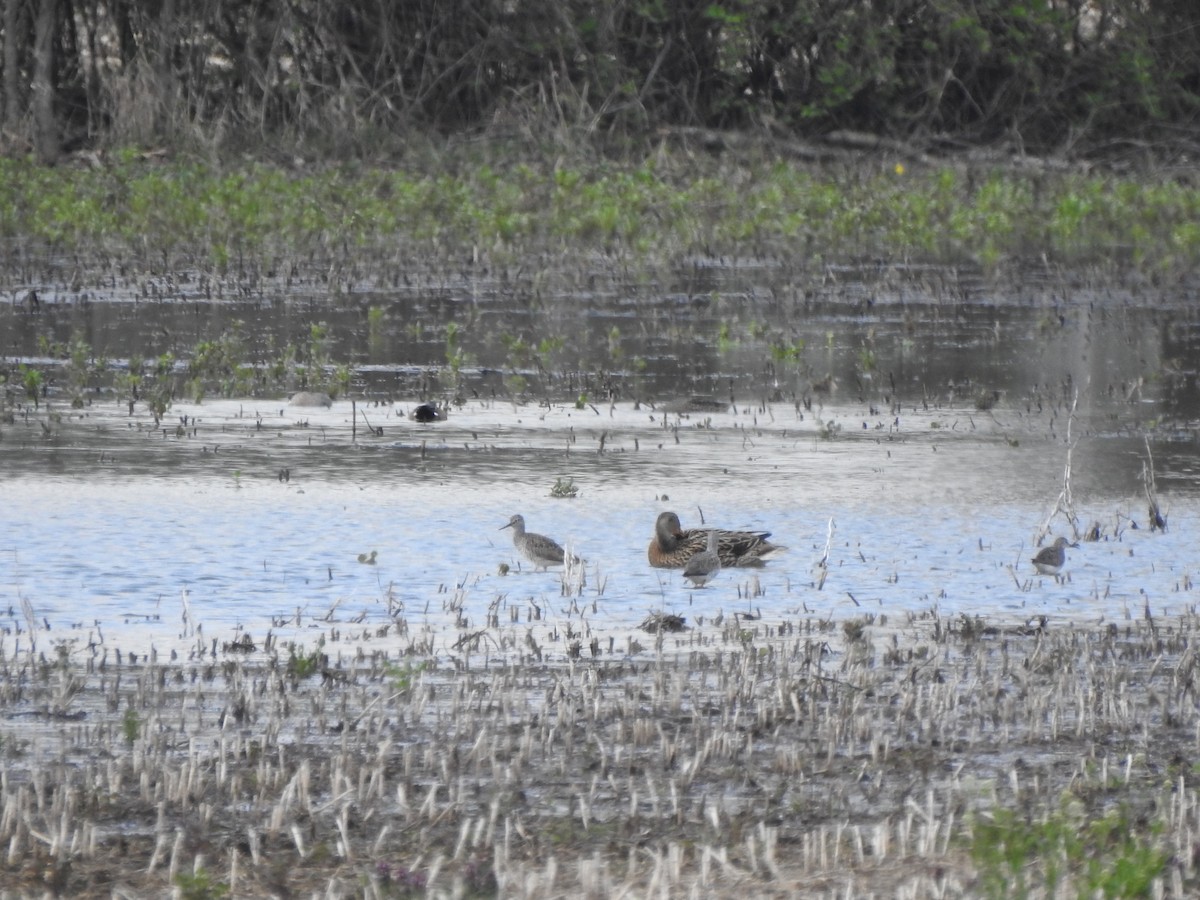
[{"x": 1044, "y": 76}]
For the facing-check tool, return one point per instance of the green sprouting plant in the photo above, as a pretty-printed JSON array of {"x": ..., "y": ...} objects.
[
  {"x": 131, "y": 725},
  {"x": 456, "y": 357},
  {"x": 303, "y": 665},
  {"x": 1106, "y": 857},
  {"x": 318, "y": 344},
  {"x": 375, "y": 323},
  {"x": 128, "y": 382},
  {"x": 783, "y": 352},
  {"x": 78, "y": 369},
  {"x": 724, "y": 338},
  {"x": 32, "y": 381},
  {"x": 548, "y": 346},
  {"x": 614, "y": 343},
  {"x": 866, "y": 360},
  {"x": 404, "y": 677},
  {"x": 199, "y": 885}
]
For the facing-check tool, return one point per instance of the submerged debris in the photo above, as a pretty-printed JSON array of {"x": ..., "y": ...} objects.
[
  {"x": 663, "y": 622},
  {"x": 564, "y": 488},
  {"x": 429, "y": 412},
  {"x": 244, "y": 644}
]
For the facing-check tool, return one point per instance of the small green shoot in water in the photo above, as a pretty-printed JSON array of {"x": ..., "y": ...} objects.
[
  {"x": 300, "y": 666},
  {"x": 131, "y": 725},
  {"x": 199, "y": 885},
  {"x": 405, "y": 677}
]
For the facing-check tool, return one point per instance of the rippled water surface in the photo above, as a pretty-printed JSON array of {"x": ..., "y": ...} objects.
[
  {"x": 122, "y": 535},
  {"x": 118, "y": 534}
]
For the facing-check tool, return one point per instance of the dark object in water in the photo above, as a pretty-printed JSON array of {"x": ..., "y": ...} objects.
[
  {"x": 428, "y": 412},
  {"x": 656, "y": 622},
  {"x": 1158, "y": 521}
]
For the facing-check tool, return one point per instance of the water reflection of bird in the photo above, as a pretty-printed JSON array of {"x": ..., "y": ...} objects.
[
  {"x": 1050, "y": 560},
  {"x": 705, "y": 565},
  {"x": 673, "y": 547},
  {"x": 537, "y": 548}
]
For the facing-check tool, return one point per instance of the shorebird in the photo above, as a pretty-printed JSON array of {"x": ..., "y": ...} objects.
[
  {"x": 704, "y": 566},
  {"x": 1050, "y": 560},
  {"x": 672, "y": 547},
  {"x": 537, "y": 548}
]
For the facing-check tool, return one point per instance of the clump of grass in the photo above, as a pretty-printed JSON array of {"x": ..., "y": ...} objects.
[
  {"x": 564, "y": 488},
  {"x": 1106, "y": 857},
  {"x": 131, "y": 725},
  {"x": 302, "y": 665},
  {"x": 404, "y": 678},
  {"x": 199, "y": 885}
]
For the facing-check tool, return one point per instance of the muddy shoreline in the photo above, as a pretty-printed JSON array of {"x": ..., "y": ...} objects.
[{"x": 805, "y": 759}]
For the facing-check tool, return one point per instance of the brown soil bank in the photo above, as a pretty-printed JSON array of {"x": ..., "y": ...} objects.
[{"x": 932, "y": 758}]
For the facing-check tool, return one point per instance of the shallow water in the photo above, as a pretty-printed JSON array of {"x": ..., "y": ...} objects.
[{"x": 123, "y": 537}]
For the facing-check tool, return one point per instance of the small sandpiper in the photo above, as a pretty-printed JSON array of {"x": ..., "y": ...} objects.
[
  {"x": 537, "y": 548},
  {"x": 704, "y": 566},
  {"x": 1050, "y": 560}
]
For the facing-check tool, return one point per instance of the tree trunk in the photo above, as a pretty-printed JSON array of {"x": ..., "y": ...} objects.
[
  {"x": 13, "y": 94},
  {"x": 45, "y": 127}
]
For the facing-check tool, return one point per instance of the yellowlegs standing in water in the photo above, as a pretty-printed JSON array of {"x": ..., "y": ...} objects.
[
  {"x": 673, "y": 547},
  {"x": 704, "y": 566},
  {"x": 1050, "y": 560},
  {"x": 537, "y": 548}
]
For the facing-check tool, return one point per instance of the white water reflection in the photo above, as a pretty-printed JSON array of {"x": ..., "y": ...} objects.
[{"x": 129, "y": 539}]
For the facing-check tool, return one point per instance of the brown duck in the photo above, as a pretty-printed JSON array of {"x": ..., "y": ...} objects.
[{"x": 673, "y": 548}]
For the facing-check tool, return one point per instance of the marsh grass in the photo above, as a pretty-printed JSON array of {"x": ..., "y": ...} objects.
[
  {"x": 770, "y": 759},
  {"x": 660, "y": 212}
]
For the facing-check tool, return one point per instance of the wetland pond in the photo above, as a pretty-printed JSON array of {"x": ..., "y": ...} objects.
[
  {"x": 848, "y": 720},
  {"x": 913, "y": 428}
]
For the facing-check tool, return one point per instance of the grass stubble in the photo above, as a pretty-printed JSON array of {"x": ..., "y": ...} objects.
[
  {"x": 927, "y": 757},
  {"x": 795, "y": 756}
]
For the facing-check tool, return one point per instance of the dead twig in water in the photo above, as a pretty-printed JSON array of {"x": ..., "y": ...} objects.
[
  {"x": 1065, "y": 503},
  {"x": 823, "y": 563},
  {"x": 1158, "y": 522}
]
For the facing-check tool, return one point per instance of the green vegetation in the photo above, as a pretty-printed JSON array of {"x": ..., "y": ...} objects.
[
  {"x": 199, "y": 885},
  {"x": 131, "y": 725},
  {"x": 1105, "y": 857},
  {"x": 301, "y": 665},
  {"x": 656, "y": 213},
  {"x": 403, "y": 678},
  {"x": 32, "y": 380}
]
